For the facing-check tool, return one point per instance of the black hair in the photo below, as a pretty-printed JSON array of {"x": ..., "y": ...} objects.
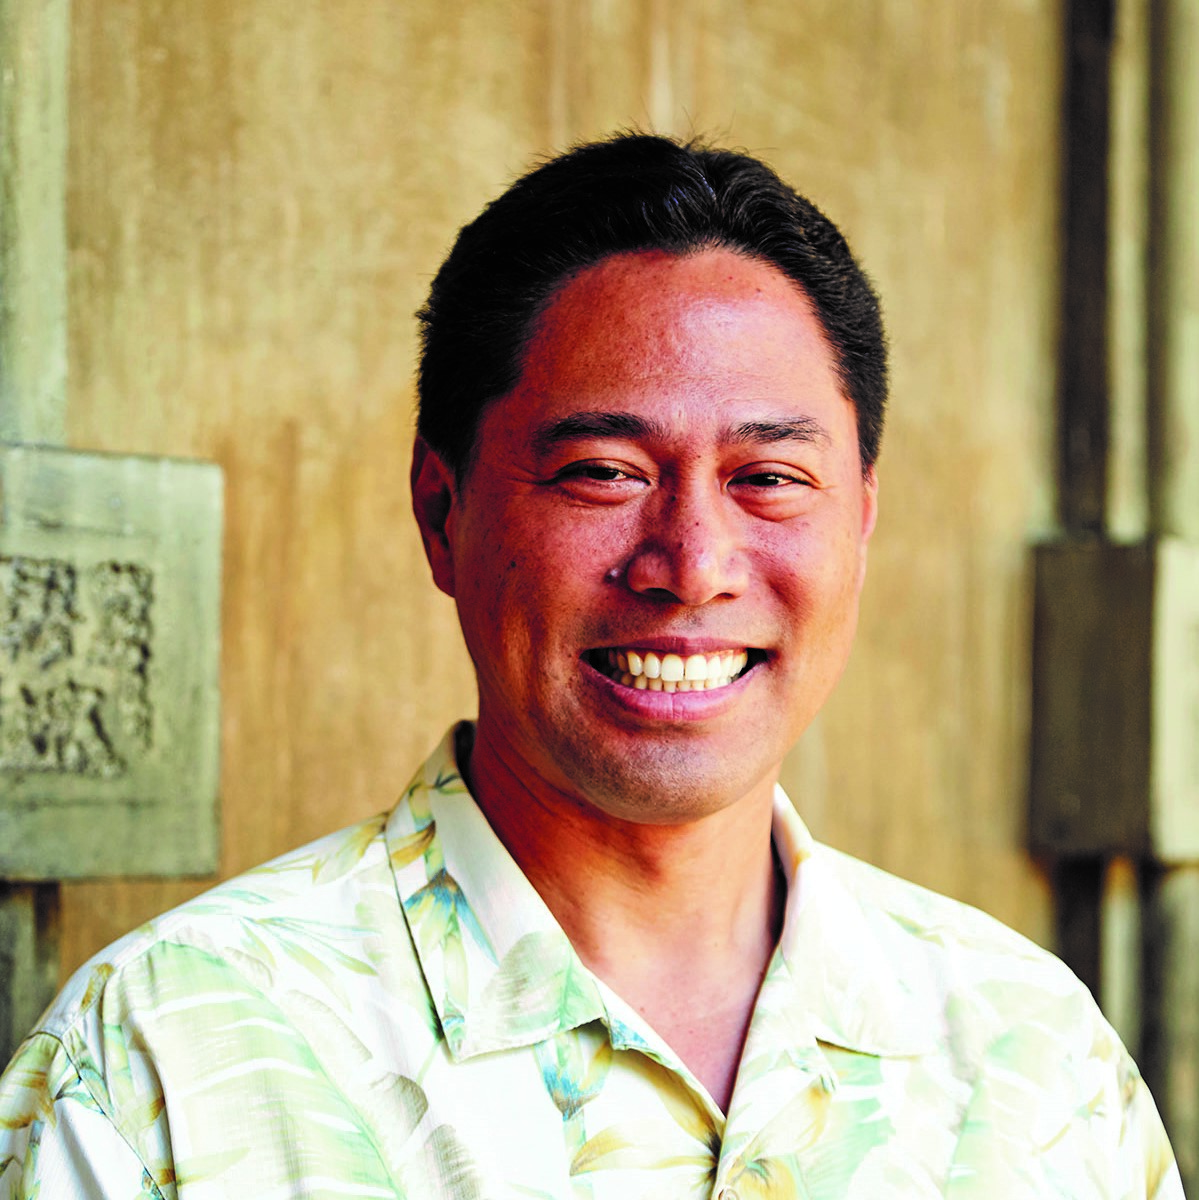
[{"x": 632, "y": 192}]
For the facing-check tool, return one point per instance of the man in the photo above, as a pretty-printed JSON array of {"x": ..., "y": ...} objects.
[{"x": 593, "y": 952}]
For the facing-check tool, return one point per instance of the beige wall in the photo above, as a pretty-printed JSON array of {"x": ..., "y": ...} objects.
[{"x": 259, "y": 192}]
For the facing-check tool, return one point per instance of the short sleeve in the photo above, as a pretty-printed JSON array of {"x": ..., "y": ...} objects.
[
  {"x": 1147, "y": 1147},
  {"x": 56, "y": 1140}
]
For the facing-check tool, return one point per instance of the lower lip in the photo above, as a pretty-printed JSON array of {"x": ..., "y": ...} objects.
[{"x": 671, "y": 706}]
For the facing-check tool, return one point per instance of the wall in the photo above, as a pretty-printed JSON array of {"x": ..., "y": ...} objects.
[{"x": 259, "y": 192}]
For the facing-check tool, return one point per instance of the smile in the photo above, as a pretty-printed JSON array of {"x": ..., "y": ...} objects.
[{"x": 647, "y": 670}]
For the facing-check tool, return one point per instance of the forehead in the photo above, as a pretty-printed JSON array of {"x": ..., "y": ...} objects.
[
  {"x": 696, "y": 333},
  {"x": 669, "y": 304}
]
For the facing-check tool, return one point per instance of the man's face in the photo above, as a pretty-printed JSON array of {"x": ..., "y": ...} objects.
[{"x": 672, "y": 488}]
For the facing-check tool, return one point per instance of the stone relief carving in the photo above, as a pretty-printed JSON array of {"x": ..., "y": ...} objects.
[{"x": 76, "y": 647}]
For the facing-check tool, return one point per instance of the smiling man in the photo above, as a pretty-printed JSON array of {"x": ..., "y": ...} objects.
[{"x": 593, "y": 951}]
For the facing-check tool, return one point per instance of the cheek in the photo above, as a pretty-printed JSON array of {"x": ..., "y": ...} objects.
[{"x": 816, "y": 573}]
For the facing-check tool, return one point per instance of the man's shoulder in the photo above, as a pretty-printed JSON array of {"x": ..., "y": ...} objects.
[
  {"x": 307, "y": 907},
  {"x": 929, "y": 917},
  {"x": 975, "y": 969}
]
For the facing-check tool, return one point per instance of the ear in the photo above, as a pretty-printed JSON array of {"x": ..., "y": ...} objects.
[
  {"x": 869, "y": 518},
  {"x": 869, "y": 503},
  {"x": 434, "y": 496}
]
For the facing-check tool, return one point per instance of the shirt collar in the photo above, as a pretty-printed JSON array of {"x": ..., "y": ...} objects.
[
  {"x": 501, "y": 973},
  {"x": 499, "y": 969},
  {"x": 852, "y": 978}
]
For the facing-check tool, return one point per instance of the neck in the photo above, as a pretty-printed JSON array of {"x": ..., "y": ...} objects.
[{"x": 666, "y": 915}]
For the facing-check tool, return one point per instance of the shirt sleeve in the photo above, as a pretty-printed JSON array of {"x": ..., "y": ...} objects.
[
  {"x": 56, "y": 1140},
  {"x": 1147, "y": 1145}
]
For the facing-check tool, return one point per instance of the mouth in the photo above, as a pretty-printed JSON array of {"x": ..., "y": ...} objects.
[{"x": 651, "y": 670}]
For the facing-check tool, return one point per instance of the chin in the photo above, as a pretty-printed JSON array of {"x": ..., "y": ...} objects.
[{"x": 659, "y": 787}]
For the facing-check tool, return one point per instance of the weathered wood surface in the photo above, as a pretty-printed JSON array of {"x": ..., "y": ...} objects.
[
  {"x": 259, "y": 194},
  {"x": 1115, "y": 765},
  {"x": 1170, "y": 1053},
  {"x": 1083, "y": 412},
  {"x": 34, "y": 68},
  {"x": 33, "y": 246},
  {"x": 29, "y": 917},
  {"x": 1173, "y": 913},
  {"x": 1174, "y": 268}
]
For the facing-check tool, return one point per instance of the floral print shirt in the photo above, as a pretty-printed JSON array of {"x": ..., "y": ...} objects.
[{"x": 393, "y": 1012}]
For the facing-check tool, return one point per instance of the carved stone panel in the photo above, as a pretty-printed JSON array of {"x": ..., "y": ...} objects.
[{"x": 109, "y": 659}]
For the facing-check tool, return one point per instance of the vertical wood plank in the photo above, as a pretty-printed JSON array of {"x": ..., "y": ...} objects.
[
  {"x": 34, "y": 37},
  {"x": 29, "y": 920},
  {"x": 33, "y": 251},
  {"x": 1127, "y": 517},
  {"x": 1172, "y": 938},
  {"x": 1078, "y": 890},
  {"x": 1174, "y": 269},
  {"x": 1121, "y": 959},
  {"x": 1083, "y": 400},
  {"x": 1170, "y": 1049}
]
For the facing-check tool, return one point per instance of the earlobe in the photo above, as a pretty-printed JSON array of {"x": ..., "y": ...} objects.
[
  {"x": 869, "y": 503},
  {"x": 869, "y": 518},
  {"x": 434, "y": 496}
]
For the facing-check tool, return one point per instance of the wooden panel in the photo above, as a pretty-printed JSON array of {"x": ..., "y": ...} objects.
[
  {"x": 259, "y": 194},
  {"x": 1115, "y": 748},
  {"x": 1091, "y": 698}
]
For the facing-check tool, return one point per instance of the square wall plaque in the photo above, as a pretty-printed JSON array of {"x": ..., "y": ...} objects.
[{"x": 109, "y": 664}]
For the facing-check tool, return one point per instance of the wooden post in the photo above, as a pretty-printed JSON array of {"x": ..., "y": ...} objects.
[
  {"x": 1170, "y": 1052},
  {"x": 33, "y": 379},
  {"x": 1083, "y": 431},
  {"x": 1174, "y": 269},
  {"x": 1172, "y": 913},
  {"x": 1115, "y": 776}
]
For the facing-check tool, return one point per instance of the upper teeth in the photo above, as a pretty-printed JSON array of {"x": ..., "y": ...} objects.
[{"x": 673, "y": 673}]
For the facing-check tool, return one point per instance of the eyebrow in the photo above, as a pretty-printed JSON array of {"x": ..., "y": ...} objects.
[
  {"x": 788, "y": 429},
  {"x": 582, "y": 425}
]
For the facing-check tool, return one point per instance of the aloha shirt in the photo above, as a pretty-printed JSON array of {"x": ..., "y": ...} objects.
[{"x": 393, "y": 1012}]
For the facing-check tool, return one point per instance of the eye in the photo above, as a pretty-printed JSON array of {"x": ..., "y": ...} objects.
[
  {"x": 771, "y": 480},
  {"x": 766, "y": 479},
  {"x": 598, "y": 482},
  {"x": 598, "y": 472}
]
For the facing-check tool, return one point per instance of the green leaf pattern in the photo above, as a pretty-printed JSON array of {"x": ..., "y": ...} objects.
[{"x": 393, "y": 1012}]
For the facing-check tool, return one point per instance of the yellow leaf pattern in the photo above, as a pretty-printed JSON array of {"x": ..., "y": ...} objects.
[{"x": 392, "y": 1012}]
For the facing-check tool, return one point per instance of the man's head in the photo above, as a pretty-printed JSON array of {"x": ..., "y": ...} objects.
[
  {"x": 634, "y": 192},
  {"x": 649, "y": 491}
]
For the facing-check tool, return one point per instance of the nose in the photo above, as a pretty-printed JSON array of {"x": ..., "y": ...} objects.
[{"x": 691, "y": 549}]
